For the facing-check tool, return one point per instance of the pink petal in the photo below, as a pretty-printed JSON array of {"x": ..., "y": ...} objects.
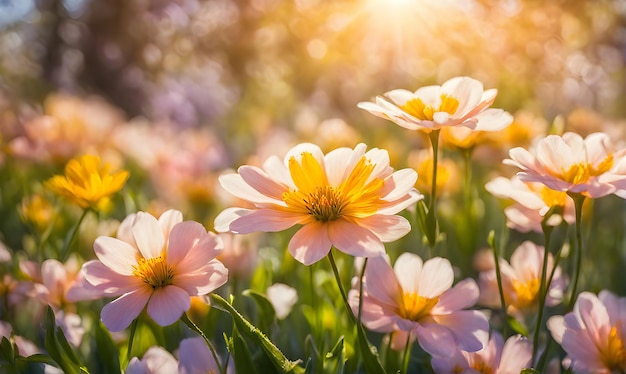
[
  {"x": 386, "y": 228},
  {"x": 169, "y": 219},
  {"x": 493, "y": 120},
  {"x": 279, "y": 171},
  {"x": 380, "y": 159},
  {"x": 117, "y": 255},
  {"x": 469, "y": 327},
  {"x": 204, "y": 280},
  {"x": 124, "y": 231},
  {"x": 236, "y": 185},
  {"x": 398, "y": 184},
  {"x": 227, "y": 216},
  {"x": 205, "y": 250},
  {"x": 265, "y": 220},
  {"x": 118, "y": 314},
  {"x": 556, "y": 325},
  {"x": 183, "y": 237},
  {"x": 262, "y": 182},
  {"x": 301, "y": 148},
  {"x": 462, "y": 296},
  {"x": 336, "y": 162},
  {"x": 408, "y": 270},
  {"x": 516, "y": 355},
  {"x": 555, "y": 155},
  {"x": 436, "y": 340},
  {"x": 168, "y": 304},
  {"x": 436, "y": 278},
  {"x": 195, "y": 357},
  {"x": 310, "y": 244},
  {"x": 148, "y": 235},
  {"x": 383, "y": 286},
  {"x": 354, "y": 240},
  {"x": 54, "y": 275}
]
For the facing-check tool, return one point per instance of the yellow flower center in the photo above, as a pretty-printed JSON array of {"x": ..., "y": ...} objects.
[
  {"x": 356, "y": 196},
  {"x": 553, "y": 197},
  {"x": 155, "y": 272},
  {"x": 418, "y": 109},
  {"x": 482, "y": 368},
  {"x": 582, "y": 172},
  {"x": 613, "y": 355},
  {"x": 413, "y": 306},
  {"x": 525, "y": 293}
]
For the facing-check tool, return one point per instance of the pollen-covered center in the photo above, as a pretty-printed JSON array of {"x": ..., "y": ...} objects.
[
  {"x": 613, "y": 355},
  {"x": 553, "y": 197},
  {"x": 155, "y": 272},
  {"x": 583, "y": 171},
  {"x": 525, "y": 292},
  {"x": 418, "y": 109},
  {"x": 357, "y": 195},
  {"x": 413, "y": 306}
]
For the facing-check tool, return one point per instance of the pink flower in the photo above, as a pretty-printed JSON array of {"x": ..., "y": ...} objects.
[
  {"x": 589, "y": 166},
  {"x": 156, "y": 360},
  {"x": 520, "y": 280},
  {"x": 593, "y": 334},
  {"x": 417, "y": 297},
  {"x": 195, "y": 358},
  {"x": 533, "y": 200},
  {"x": 460, "y": 101},
  {"x": 159, "y": 264},
  {"x": 497, "y": 357},
  {"x": 348, "y": 199}
]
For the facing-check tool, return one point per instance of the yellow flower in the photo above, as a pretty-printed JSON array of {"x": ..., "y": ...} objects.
[
  {"x": 37, "y": 210},
  {"x": 87, "y": 182}
]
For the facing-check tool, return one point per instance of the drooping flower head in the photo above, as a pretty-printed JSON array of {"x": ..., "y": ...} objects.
[
  {"x": 348, "y": 199},
  {"x": 87, "y": 182},
  {"x": 460, "y": 101},
  {"x": 590, "y": 166},
  {"x": 417, "y": 297},
  {"x": 521, "y": 279},
  {"x": 593, "y": 334},
  {"x": 160, "y": 264},
  {"x": 533, "y": 200},
  {"x": 498, "y": 357}
]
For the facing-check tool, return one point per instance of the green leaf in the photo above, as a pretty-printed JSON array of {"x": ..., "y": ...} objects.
[
  {"x": 56, "y": 348},
  {"x": 243, "y": 360},
  {"x": 427, "y": 222},
  {"x": 8, "y": 351},
  {"x": 107, "y": 350},
  {"x": 280, "y": 361},
  {"x": 315, "y": 360},
  {"x": 265, "y": 309},
  {"x": 39, "y": 358},
  {"x": 529, "y": 371},
  {"x": 368, "y": 351},
  {"x": 334, "y": 361},
  {"x": 517, "y": 326}
]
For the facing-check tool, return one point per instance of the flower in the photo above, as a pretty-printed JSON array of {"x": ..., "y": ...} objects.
[
  {"x": 593, "y": 333},
  {"x": 497, "y": 357},
  {"x": 283, "y": 298},
  {"x": 87, "y": 183},
  {"x": 347, "y": 199},
  {"x": 159, "y": 264},
  {"x": 156, "y": 360},
  {"x": 520, "y": 280},
  {"x": 533, "y": 200},
  {"x": 240, "y": 253},
  {"x": 417, "y": 297},
  {"x": 460, "y": 101},
  {"x": 194, "y": 357},
  {"x": 589, "y": 166}
]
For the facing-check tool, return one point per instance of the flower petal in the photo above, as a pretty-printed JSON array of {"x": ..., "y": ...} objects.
[
  {"x": 436, "y": 340},
  {"x": 204, "y": 280},
  {"x": 117, "y": 255},
  {"x": 168, "y": 304},
  {"x": 206, "y": 249},
  {"x": 264, "y": 220},
  {"x": 118, "y": 314},
  {"x": 436, "y": 278},
  {"x": 310, "y": 244},
  {"x": 148, "y": 235},
  {"x": 107, "y": 281},
  {"x": 354, "y": 240},
  {"x": 469, "y": 327},
  {"x": 386, "y": 228},
  {"x": 182, "y": 239},
  {"x": 462, "y": 296},
  {"x": 408, "y": 271}
]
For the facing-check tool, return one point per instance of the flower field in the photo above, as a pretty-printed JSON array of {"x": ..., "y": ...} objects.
[{"x": 371, "y": 186}]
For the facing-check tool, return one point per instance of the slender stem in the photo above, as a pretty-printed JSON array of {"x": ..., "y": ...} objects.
[
  {"x": 543, "y": 286},
  {"x": 361, "y": 290},
  {"x": 195, "y": 328},
  {"x": 407, "y": 355},
  {"x": 496, "y": 257},
  {"x": 131, "y": 338},
  {"x": 69, "y": 240},
  {"x": 331, "y": 259},
  {"x": 578, "y": 205}
]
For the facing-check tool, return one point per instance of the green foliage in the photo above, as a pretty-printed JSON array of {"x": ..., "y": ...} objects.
[{"x": 58, "y": 347}]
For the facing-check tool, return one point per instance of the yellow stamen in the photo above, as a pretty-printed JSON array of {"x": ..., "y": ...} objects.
[
  {"x": 418, "y": 109},
  {"x": 614, "y": 354},
  {"x": 356, "y": 196},
  {"x": 582, "y": 172},
  {"x": 482, "y": 368},
  {"x": 155, "y": 272},
  {"x": 525, "y": 292},
  {"x": 414, "y": 306},
  {"x": 552, "y": 197}
]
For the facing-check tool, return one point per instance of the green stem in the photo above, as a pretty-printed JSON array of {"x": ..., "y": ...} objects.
[
  {"x": 195, "y": 328},
  {"x": 131, "y": 337},
  {"x": 361, "y": 290},
  {"x": 344, "y": 297},
  {"x": 71, "y": 237},
  {"x": 318, "y": 317},
  {"x": 496, "y": 258},
  {"x": 543, "y": 286},
  {"x": 578, "y": 205},
  {"x": 407, "y": 355}
]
